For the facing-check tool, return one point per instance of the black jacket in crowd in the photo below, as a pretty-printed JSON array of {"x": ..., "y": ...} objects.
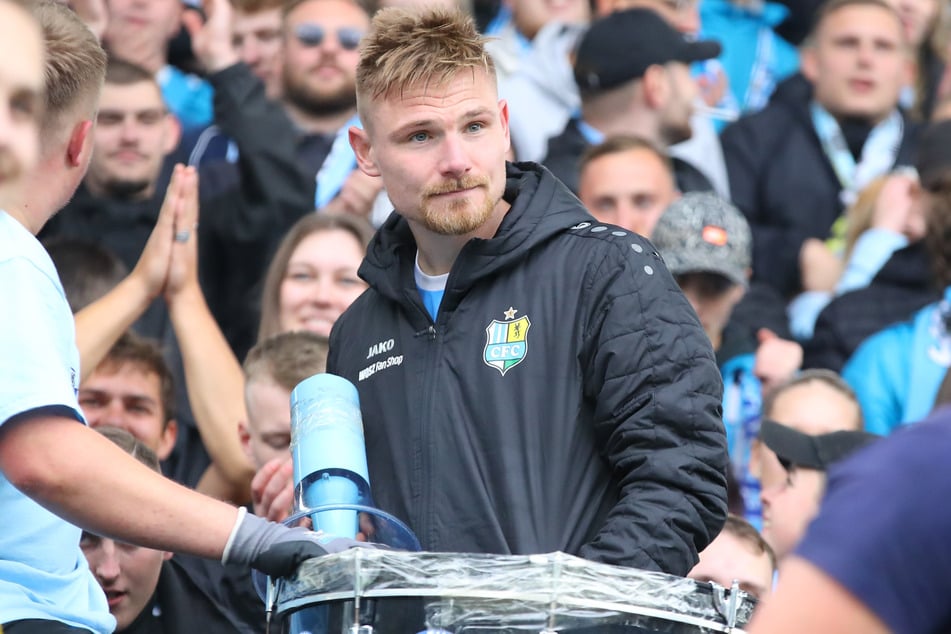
[
  {"x": 564, "y": 159},
  {"x": 566, "y": 397},
  {"x": 122, "y": 227},
  {"x": 248, "y": 207},
  {"x": 902, "y": 286},
  {"x": 782, "y": 181},
  {"x": 179, "y": 605}
]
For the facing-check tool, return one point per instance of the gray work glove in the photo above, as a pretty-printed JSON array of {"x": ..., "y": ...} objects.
[{"x": 275, "y": 549}]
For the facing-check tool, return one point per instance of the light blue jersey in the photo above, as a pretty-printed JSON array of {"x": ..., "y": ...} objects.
[{"x": 43, "y": 574}]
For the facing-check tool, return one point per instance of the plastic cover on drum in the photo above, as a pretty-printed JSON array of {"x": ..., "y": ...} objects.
[{"x": 372, "y": 590}]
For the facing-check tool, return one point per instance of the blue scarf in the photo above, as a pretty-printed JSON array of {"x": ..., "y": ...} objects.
[{"x": 742, "y": 407}]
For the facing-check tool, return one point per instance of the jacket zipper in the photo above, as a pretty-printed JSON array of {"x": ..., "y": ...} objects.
[{"x": 425, "y": 436}]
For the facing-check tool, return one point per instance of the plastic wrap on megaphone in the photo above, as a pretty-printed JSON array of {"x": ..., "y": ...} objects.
[{"x": 328, "y": 451}]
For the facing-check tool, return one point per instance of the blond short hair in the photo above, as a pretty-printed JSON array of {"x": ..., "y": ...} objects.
[
  {"x": 75, "y": 65},
  {"x": 406, "y": 48}
]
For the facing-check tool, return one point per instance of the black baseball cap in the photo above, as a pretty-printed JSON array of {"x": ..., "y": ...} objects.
[
  {"x": 795, "y": 448},
  {"x": 621, "y": 46}
]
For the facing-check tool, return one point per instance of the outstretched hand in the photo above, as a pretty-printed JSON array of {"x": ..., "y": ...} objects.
[
  {"x": 282, "y": 558},
  {"x": 357, "y": 195},
  {"x": 777, "y": 359},
  {"x": 277, "y": 550}
]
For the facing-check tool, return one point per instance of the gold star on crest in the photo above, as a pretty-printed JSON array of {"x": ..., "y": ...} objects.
[{"x": 510, "y": 313}]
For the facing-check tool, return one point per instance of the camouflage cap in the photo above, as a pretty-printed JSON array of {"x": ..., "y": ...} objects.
[{"x": 702, "y": 233}]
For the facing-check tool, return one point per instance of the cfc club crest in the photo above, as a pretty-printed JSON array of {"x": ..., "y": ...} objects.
[{"x": 506, "y": 342}]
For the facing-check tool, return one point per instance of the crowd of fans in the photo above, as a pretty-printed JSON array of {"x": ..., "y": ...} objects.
[{"x": 789, "y": 160}]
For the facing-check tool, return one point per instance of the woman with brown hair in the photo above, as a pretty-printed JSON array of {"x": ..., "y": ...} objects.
[{"x": 313, "y": 277}]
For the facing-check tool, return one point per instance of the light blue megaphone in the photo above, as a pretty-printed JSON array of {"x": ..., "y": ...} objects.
[
  {"x": 329, "y": 453},
  {"x": 331, "y": 480}
]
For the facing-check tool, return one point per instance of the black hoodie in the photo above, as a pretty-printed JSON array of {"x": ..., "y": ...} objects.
[
  {"x": 903, "y": 285},
  {"x": 566, "y": 398}
]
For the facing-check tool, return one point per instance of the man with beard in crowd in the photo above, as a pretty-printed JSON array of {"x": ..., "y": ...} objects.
[
  {"x": 632, "y": 70},
  {"x": 294, "y": 155}
]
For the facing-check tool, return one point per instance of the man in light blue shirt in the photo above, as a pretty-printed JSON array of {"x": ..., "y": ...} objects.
[{"x": 55, "y": 471}]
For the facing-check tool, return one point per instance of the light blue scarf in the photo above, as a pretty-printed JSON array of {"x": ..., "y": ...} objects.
[
  {"x": 338, "y": 165},
  {"x": 742, "y": 407},
  {"x": 878, "y": 153}
]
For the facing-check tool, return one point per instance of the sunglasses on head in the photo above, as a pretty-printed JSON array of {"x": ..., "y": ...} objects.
[{"x": 311, "y": 34}]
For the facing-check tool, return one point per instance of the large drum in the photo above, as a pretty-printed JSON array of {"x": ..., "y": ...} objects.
[{"x": 368, "y": 591}]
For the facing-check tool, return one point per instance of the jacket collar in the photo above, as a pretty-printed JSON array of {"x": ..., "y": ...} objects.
[{"x": 542, "y": 207}]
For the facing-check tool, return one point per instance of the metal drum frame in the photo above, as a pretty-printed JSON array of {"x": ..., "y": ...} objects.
[{"x": 553, "y": 589}]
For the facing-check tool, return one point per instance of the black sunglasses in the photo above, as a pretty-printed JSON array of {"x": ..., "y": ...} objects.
[{"x": 312, "y": 34}]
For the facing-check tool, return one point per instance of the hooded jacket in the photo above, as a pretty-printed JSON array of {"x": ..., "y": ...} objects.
[{"x": 565, "y": 398}]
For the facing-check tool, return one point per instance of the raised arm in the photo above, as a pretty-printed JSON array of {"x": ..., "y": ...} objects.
[
  {"x": 273, "y": 187},
  {"x": 84, "y": 478},
  {"x": 213, "y": 376},
  {"x": 100, "y": 324}
]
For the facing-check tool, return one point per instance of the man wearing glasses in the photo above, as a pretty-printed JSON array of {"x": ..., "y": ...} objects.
[{"x": 294, "y": 155}]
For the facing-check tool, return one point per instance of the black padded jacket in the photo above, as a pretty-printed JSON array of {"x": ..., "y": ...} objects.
[{"x": 565, "y": 398}]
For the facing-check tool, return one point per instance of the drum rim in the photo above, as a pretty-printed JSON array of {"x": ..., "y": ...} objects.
[
  {"x": 541, "y": 597},
  {"x": 290, "y": 605}
]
